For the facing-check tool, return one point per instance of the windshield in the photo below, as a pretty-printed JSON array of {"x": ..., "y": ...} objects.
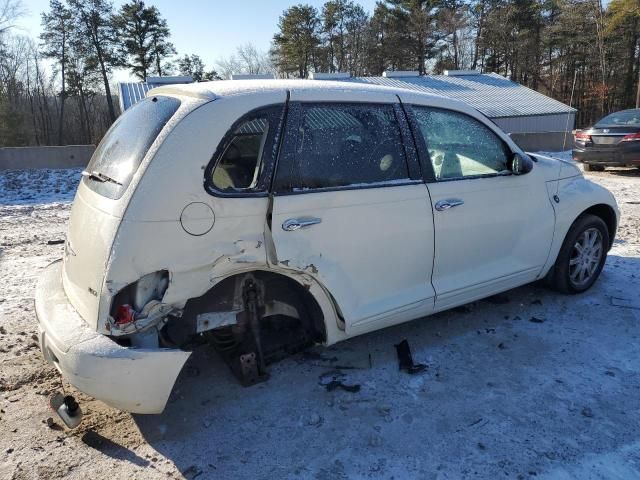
[
  {"x": 628, "y": 118},
  {"x": 125, "y": 144}
]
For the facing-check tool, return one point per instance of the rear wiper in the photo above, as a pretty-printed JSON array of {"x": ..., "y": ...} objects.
[{"x": 100, "y": 177}]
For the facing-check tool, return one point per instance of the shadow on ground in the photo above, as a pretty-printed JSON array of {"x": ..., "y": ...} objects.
[{"x": 518, "y": 385}]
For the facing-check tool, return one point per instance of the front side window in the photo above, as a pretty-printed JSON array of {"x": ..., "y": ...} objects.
[
  {"x": 342, "y": 145},
  {"x": 126, "y": 143},
  {"x": 239, "y": 163},
  {"x": 460, "y": 146}
]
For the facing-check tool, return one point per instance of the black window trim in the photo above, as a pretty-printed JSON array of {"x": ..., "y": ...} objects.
[
  {"x": 290, "y": 140},
  {"x": 269, "y": 154},
  {"x": 423, "y": 150}
]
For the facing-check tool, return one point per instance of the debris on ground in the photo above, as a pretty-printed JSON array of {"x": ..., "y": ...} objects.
[
  {"x": 314, "y": 420},
  {"x": 335, "y": 384},
  {"x": 587, "y": 412},
  {"x": 536, "y": 320},
  {"x": 334, "y": 379},
  {"x": 405, "y": 360},
  {"x": 55, "y": 242}
]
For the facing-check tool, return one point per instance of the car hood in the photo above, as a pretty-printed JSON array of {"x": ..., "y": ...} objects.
[{"x": 556, "y": 168}]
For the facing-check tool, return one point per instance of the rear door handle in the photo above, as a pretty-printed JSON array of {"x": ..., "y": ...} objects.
[
  {"x": 442, "y": 205},
  {"x": 293, "y": 224}
]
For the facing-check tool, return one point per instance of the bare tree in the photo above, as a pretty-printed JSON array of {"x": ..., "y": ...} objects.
[
  {"x": 10, "y": 11},
  {"x": 246, "y": 60}
]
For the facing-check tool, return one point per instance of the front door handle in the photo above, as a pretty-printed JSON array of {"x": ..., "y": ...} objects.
[
  {"x": 293, "y": 224},
  {"x": 448, "y": 203}
]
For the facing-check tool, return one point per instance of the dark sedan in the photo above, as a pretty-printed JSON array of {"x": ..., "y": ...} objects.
[{"x": 612, "y": 142}]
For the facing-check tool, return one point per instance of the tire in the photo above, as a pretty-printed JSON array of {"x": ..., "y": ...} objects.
[
  {"x": 593, "y": 168},
  {"x": 581, "y": 257}
]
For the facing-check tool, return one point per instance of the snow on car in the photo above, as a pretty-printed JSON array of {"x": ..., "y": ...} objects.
[{"x": 266, "y": 216}]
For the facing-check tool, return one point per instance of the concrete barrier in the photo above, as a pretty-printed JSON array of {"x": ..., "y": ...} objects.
[{"x": 69, "y": 156}]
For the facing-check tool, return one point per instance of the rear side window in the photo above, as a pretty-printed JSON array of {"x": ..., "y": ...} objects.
[
  {"x": 120, "y": 152},
  {"x": 342, "y": 145},
  {"x": 239, "y": 164}
]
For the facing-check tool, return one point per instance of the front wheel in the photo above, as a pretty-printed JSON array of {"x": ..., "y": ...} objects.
[
  {"x": 581, "y": 257},
  {"x": 593, "y": 168}
]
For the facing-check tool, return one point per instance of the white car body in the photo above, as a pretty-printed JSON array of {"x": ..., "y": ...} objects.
[{"x": 380, "y": 256}]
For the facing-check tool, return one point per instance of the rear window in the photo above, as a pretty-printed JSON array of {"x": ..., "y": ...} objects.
[
  {"x": 125, "y": 144},
  {"x": 630, "y": 118}
]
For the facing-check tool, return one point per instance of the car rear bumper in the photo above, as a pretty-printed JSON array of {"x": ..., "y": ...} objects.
[
  {"x": 629, "y": 155},
  {"x": 130, "y": 379}
]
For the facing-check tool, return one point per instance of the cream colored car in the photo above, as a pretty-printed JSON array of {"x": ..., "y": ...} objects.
[{"x": 265, "y": 216}]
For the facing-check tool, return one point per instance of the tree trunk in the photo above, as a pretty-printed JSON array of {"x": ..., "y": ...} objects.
[{"x": 64, "y": 91}]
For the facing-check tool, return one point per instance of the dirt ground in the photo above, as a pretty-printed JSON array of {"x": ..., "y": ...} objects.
[{"x": 530, "y": 384}]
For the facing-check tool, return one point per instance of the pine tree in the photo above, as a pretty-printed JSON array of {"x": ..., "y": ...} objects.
[
  {"x": 94, "y": 21},
  {"x": 144, "y": 37},
  {"x": 56, "y": 37},
  {"x": 296, "y": 45},
  {"x": 193, "y": 66}
]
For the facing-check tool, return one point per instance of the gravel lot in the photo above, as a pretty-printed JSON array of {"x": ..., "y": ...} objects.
[{"x": 530, "y": 384}]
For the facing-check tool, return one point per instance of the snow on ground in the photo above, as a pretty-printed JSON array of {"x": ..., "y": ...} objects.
[{"x": 504, "y": 396}]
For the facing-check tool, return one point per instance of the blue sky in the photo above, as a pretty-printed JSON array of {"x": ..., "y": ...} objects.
[{"x": 212, "y": 29}]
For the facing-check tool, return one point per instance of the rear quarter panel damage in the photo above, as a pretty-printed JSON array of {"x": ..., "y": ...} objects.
[{"x": 151, "y": 237}]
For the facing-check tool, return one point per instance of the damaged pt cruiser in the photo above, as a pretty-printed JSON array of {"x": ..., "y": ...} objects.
[{"x": 261, "y": 217}]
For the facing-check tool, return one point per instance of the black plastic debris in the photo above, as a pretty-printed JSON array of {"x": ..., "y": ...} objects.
[
  {"x": 536, "y": 320},
  {"x": 335, "y": 384},
  {"x": 335, "y": 379},
  {"x": 405, "y": 360},
  {"x": 55, "y": 242}
]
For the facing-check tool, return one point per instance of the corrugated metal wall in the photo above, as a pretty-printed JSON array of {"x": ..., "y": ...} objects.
[{"x": 537, "y": 123}]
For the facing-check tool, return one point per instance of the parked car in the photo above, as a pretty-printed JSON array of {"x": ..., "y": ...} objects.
[
  {"x": 264, "y": 216},
  {"x": 612, "y": 142}
]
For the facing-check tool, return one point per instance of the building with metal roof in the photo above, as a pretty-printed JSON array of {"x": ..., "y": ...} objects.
[
  {"x": 535, "y": 121},
  {"x": 131, "y": 93}
]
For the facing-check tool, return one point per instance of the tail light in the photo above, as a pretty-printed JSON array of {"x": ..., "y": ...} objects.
[
  {"x": 130, "y": 302},
  {"x": 583, "y": 136},
  {"x": 124, "y": 314},
  {"x": 632, "y": 137}
]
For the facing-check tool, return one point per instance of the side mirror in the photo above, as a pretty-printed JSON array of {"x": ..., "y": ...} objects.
[{"x": 521, "y": 164}]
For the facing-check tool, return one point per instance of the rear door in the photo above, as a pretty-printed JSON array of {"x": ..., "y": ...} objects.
[{"x": 350, "y": 210}]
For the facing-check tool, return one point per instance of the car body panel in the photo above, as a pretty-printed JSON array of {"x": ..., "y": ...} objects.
[
  {"x": 503, "y": 230},
  {"x": 196, "y": 262},
  {"x": 360, "y": 229},
  {"x": 575, "y": 196},
  {"x": 131, "y": 379}
]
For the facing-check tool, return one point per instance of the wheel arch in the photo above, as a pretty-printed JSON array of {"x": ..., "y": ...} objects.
[
  {"x": 317, "y": 300},
  {"x": 607, "y": 214}
]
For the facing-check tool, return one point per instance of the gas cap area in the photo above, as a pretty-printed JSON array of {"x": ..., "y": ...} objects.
[{"x": 197, "y": 218}]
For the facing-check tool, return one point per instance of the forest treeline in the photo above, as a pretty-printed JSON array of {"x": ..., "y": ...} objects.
[{"x": 58, "y": 89}]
